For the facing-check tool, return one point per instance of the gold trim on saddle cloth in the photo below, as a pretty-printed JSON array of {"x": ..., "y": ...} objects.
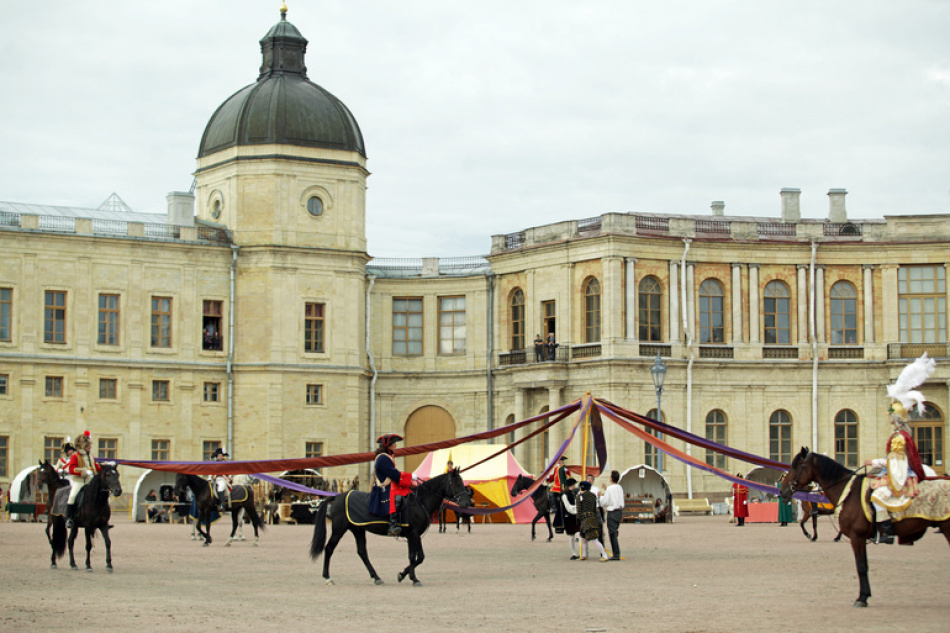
[
  {"x": 844, "y": 495},
  {"x": 359, "y": 523}
]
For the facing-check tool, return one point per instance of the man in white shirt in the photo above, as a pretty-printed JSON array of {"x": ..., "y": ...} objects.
[{"x": 612, "y": 502}]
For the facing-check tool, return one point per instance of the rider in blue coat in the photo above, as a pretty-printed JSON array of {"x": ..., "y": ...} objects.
[{"x": 389, "y": 483}]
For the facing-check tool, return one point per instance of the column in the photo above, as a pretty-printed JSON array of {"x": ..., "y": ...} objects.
[
  {"x": 674, "y": 302},
  {"x": 523, "y": 449},
  {"x": 889, "y": 308},
  {"x": 631, "y": 299},
  {"x": 737, "y": 303},
  {"x": 820, "y": 303},
  {"x": 690, "y": 302},
  {"x": 753, "y": 303},
  {"x": 803, "y": 300},
  {"x": 868, "y": 303},
  {"x": 611, "y": 306},
  {"x": 559, "y": 431}
]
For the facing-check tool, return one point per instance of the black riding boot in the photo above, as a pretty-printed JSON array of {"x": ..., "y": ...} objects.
[
  {"x": 394, "y": 529},
  {"x": 885, "y": 532},
  {"x": 70, "y": 514}
]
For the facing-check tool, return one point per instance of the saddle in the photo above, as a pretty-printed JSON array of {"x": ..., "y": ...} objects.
[
  {"x": 239, "y": 493},
  {"x": 356, "y": 505},
  {"x": 932, "y": 502}
]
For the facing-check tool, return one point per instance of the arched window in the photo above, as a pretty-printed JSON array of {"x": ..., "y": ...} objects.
[
  {"x": 711, "y": 318},
  {"x": 592, "y": 311},
  {"x": 650, "y": 295},
  {"x": 846, "y": 438},
  {"x": 780, "y": 437},
  {"x": 517, "y": 319},
  {"x": 777, "y": 312},
  {"x": 652, "y": 456},
  {"x": 716, "y": 432},
  {"x": 928, "y": 435},
  {"x": 844, "y": 314}
]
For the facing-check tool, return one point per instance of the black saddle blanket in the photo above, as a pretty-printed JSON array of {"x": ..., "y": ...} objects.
[{"x": 356, "y": 506}]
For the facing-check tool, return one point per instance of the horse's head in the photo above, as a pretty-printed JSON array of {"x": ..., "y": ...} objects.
[
  {"x": 43, "y": 473},
  {"x": 109, "y": 475},
  {"x": 456, "y": 490},
  {"x": 798, "y": 476},
  {"x": 519, "y": 485},
  {"x": 181, "y": 481}
]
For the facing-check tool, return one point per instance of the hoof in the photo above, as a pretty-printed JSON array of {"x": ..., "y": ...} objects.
[
  {"x": 330, "y": 582},
  {"x": 228, "y": 544},
  {"x": 416, "y": 583},
  {"x": 205, "y": 544},
  {"x": 73, "y": 568},
  {"x": 550, "y": 539},
  {"x": 109, "y": 570},
  {"x": 401, "y": 577},
  {"x": 378, "y": 581},
  {"x": 860, "y": 603},
  {"x": 532, "y": 537},
  {"x": 53, "y": 566},
  {"x": 88, "y": 570}
]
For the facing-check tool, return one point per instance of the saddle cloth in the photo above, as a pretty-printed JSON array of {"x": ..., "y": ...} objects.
[
  {"x": 238, "y": 493},
  {"x": 356, "y": 506},
  {"x": 931, "y": 503},
  {"x": 58, "y": 509}
]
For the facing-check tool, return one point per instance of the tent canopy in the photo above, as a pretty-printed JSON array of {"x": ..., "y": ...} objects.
[
  {"x": 644, "y": 480},
  {"x": 763, "y": 475},
  {"x": 491, "y": 481},
  {"x": 149, "y": 480}
]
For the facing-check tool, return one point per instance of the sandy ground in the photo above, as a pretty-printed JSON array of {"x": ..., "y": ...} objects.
[{"x": 699, "y": 574}]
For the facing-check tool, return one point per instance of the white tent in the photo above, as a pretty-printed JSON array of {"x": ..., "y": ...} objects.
[
  {"x": 644, "y": 481},
  {"x": 23, "y": 490},
  {"x": 767, "y": 476},
  {"x": 150, "y": 480}
]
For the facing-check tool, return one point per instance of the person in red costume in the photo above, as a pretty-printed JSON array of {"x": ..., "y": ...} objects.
[
  {"x": 740, "y": 504},
  {"x": 80, "y": 468},
  {"x": 390, "y": 484}
]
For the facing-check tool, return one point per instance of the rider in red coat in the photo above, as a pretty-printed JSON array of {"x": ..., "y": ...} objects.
[{"x": 80, "y": 468}]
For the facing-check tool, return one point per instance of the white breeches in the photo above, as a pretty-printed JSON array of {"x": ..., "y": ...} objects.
[{"x": 75, "y": 485}]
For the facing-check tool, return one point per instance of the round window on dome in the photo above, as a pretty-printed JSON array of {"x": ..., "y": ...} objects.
[
  {"x": 315, "y": 206},
  {"x": 216, "y": 209}
]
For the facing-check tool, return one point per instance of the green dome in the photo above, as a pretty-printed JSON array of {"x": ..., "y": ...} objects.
[{"x": 282, "y": 106}]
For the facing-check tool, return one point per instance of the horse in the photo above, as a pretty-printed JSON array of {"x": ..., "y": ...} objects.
[
  {"x": 459, "y": 516},
  {"x": 92, "y": 513},
  {"x": 542, "y": 502},
  {"x": 842, "y": 487},
  {"x": 47, "y": 475},
  {"x": 813, "y": 511},
  {"x": 242, "y": 497},
  {"x": 416, "y": 518}
]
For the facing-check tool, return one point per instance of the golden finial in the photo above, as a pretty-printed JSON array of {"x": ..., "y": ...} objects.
[{"x": 283, "y": 10}]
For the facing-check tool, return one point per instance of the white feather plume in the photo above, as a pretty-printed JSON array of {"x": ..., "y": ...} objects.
[{"x": 911, "y": 377}]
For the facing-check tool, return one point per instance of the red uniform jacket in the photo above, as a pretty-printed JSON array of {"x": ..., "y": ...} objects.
[
  {"x": 77, "y": 465},
  {"x": 740, "y": 507}
]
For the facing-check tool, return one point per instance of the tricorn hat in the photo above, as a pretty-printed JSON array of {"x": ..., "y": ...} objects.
[
  {"x": 388, "y": 439},
  {"x": 218, "y": 451},
  {"x": 68, "y": 447}
]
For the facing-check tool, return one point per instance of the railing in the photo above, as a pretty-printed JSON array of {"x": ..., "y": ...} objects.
[
  {"x": 514, "y": 240},
  {"x": 587, "y": 350},
  {"x": 845, "y": 353},
  {"x": 777, "y": 353},
  {"x": 713, "y": 227},
  {"x": 110, "y": 227},
  {"x": 776, "y": 229},
  {"x": 915, "y": 350},
  {"x": 561, "y": 354},
  {"x": 9, "y": 219},
  {"x": 589, "y": 225},
  {"x": 448, "y": 265},
  {"x": 842, "y": 229},
  {"x": 650, "y": 223},
  {"x": 715, "y": 351},
  {"x": 514, "y": 357},
  {"x": 57, "y": 223},
  {"x": 665, "y": 351},
  {"x": 167, "y": 231}
]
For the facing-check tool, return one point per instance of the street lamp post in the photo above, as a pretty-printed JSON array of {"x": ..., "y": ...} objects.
[{"x": 658, "y": 373}]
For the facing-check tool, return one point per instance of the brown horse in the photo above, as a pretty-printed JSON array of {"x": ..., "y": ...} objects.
[
  {"x": 812, "y": 511},
  {"x": 808, "y": 468}
]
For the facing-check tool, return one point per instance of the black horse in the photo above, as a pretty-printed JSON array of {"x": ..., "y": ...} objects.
[
  {"x": 92, "y": 513},
  {"x": 242, "y": 497},
  {"x": 459, "y": 516},
  {"x": 541, "y": 499},
  {"x": 843, "y": 488},
  {"x": 416, "y": 518},
  {"x": 47, "y": 475}
]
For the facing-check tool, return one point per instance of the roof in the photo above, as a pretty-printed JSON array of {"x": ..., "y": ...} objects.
[{"x": 109, "y": 210}]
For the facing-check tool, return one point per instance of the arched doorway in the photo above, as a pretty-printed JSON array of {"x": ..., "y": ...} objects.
[{"x": 427, "y": 424}]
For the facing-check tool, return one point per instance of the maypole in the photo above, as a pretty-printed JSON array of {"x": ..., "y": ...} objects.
[{"x": 585, "y": 429}]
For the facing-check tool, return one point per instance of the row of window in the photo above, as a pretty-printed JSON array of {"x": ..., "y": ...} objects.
[
  {"x": 161, "y": 389},
  {"x": 108, "y": 448},
  {"x": 922, "y": 310}
]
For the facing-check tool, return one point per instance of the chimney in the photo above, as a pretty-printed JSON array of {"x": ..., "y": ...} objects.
[
  {"x": 791, "y": 209},
  {"x": 181, "y": 208},
  {"x": 717, "y": 207},
  {"x": 836, "y": 212}
]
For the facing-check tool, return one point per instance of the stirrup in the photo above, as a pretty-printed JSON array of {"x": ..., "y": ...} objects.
[{"x": 885, "y": 533}]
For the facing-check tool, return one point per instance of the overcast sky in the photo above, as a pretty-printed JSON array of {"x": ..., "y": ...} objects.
[{"x": 489, "y": 117}]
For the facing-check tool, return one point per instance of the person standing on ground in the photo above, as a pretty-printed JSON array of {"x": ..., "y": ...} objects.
[
  {"x": 588, "y": 521},
  {"x": 538, "y": 348},
  {"x": 740, "y": 503},
  {"x": 612, "y": 503},
  {"x": 570, "y": 515}
]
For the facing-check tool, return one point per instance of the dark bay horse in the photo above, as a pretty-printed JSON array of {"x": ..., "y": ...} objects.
[
  {"x": 242, "y": 497},
  {"x": 541, "y": 499},
  {"x": 813, "y": 511},
  {"x": 92, "y": 513},
  {"x": 417, "y": 515},
  {"x": 460, "y": 517},
  {"x": 808, "y": 467},
  {"x": 47, "y": 475}
]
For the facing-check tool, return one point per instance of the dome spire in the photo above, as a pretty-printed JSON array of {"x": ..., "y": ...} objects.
[
  {"x": 283, "y": 11},
  {"x": 283, "y": 49}
]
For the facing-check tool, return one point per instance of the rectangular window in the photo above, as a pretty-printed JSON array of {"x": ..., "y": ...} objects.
[
  {"x": 108, "y": 319},
  {"x": 407, "y": 327},
  {"x": 549, "y": 310},
  {"x": 160, "y": 390},
  {"x": 54, "y": 317},
  {"x": 313, "y": 449},
  {"x": 846, "y": 444},
  {"x": 212, "y": 392},
  {"x": 161, "y": 450},
  {"x": 313, "y": 328},
  {"x": 52, "y": 448},
  {"x": 451, "y": 325},
  {"x": 922, "y": 304},
  {"x": 108, "y": 388},
  {"x": 716, "y": 432},
  {"x": 4, "y": 455},
  {"x": 6, "y": 314},
  {"x": 54, "y": 386},
  {"x": 208, "y": 448},
  {"x": 161, "y": 322},
  {"x": 4, "y": 384},
  {"x": 314, "y": 394},
  {"x": 211, "y": 339},
  {"x": 108, "y": 448}
]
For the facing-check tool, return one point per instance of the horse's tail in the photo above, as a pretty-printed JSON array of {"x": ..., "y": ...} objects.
[
  {"x": 58, "y": 540},
  {"x": 255, "y": 518},
  {"x": 319, "y": 530}
]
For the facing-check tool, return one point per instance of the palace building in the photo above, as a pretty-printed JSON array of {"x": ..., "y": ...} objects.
[{"x": 252, "y": 317}]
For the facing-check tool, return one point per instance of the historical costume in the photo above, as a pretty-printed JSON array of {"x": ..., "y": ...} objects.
[
  {"x": 63, "y": 461},
  {"x": 570, "y": 514},
  {"x": 80, "y": 468},
  {"x": 740, "y": 503},
  {"x": 390, "y": 485},
  {"x": 557, "y": 489},
  {"x": 588, "y": 521},
  {"x": 896, "y": 488},
  {"x": 221, "y": 483}
]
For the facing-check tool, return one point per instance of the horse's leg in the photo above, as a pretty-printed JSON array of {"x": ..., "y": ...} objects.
[
  {"x": 859, "y": 547},
  {"x": 416, "y": 556},
  {"x": 234, "y": 526},
  {"x": 534, "y": 522},
  {"x": 360, "y": 536},
  {"x": 71, "y": 541},
  {"x": 89, "y": 533},
  {"x": 108, "y": 543},
  {"x": 814, "y": 525},
  {"x": 335, "y": 536},
  {"x": 547, "y": 521}
]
